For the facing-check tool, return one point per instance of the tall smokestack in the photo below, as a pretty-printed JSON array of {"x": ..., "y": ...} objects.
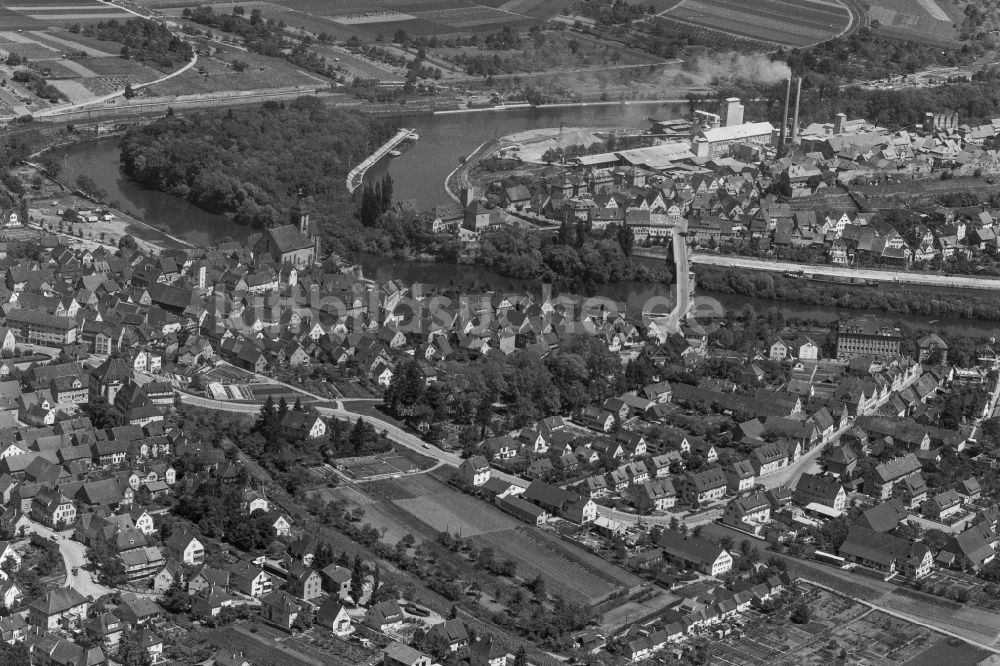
[
  {"x": 784, "y": 115},
  {"x": 795, "y": 123}
]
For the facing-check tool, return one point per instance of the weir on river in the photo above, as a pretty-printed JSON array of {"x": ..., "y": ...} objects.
[{"x": 357, "y": 174}]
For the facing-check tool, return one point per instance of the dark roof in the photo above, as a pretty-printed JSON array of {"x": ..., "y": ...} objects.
[
  {"x": 882, "y": 517},
  {"x": 878, "y": 547},
  {"x": 689, "y": 548},
  {"x": 288, "y": 238}
]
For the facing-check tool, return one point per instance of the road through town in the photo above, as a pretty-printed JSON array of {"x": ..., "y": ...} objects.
[
  {"x": 74, "y": 555},
  {"x": 392, "y": 431},
  {"x": 906, "y": 277}
]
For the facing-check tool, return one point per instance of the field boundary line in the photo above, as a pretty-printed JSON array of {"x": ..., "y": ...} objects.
[
  {"x": 899, "y": 615},
  {"x": 850, "y": 27}
]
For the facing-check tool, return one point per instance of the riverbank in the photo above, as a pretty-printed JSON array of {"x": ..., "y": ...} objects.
[
  {"x": 460, "y": 174},
  {"x": 933, "y": 305},
  {"x": 889, "y": 275},
  {"x": 565, "y": 105},
  {"x": 881, "y": 275},
  {"x": 44, "y": 210}
]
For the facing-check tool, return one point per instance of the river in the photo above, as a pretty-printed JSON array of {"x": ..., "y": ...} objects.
[
  {"x": 419, "y": 175},
  {"x": 638, "y": 296}
]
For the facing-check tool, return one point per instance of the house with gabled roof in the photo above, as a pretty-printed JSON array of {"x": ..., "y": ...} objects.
[
  {"x": 883, "y": 517},
  {"x": 690, "y": 551},
  {"x": 384, "y": 615},
  {"x": 823, "y": 489},
  {"x": 654, "y": 495},
  {"x": 249, "y": 579},
  {"x": 280, "y": 608},
  {"x": 749, "y": 514},
  {"x": 474, "y": 471},
  {"x": 332, "y": 615},
  {"x": 768, "y": 458},
  {"x": 63, "y": 605},
  {"x": 740, "y": 476},
  {"x": 451, "y": 633},
  {"x": 942, "y": 505},
  {"x": 487, "y": 651},
  {"x": 186, "y": 548},
  {"x": 704, "y": 486},
  {"x": 885, "y": 476},
  {"x": 304, "y": 582},
  {"x": 886, "y": 553}
]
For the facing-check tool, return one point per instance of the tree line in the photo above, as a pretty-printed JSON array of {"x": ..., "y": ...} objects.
[{"x": 142, "y": 40}]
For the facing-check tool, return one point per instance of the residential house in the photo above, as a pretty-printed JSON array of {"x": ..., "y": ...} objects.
[{"x": 690, "y": 551}]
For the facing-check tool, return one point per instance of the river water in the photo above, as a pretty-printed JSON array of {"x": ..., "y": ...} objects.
[
  {"x": 419, "y": 175},
  {"x": 640, "y": 297}
]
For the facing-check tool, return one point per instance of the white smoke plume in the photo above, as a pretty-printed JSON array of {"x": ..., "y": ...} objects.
[{"x": 733, "y": 67}]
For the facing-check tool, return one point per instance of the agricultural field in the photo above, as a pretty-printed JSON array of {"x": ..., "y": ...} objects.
[
  {"x": 342, "y": 18},
  {"x": 423, "y": 506},
  {"x": 931, "y": 21},
  {"x": 78, "y": 66},
  {"x": 788, "y": 22},
  {"x": 41, "y": 14},
  {"x": 567, "y": 570}
]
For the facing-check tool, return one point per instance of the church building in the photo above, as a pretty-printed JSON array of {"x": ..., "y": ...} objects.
[{"x": 296, "y": 244}]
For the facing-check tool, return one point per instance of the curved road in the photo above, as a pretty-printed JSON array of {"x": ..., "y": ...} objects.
[
  {"x": 392, "y": 431},
  {"x": 74, "y": 554},
  {"x": 55, "y": 111}
]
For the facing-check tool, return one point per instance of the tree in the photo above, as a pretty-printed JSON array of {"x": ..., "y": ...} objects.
[
  {"x": 303, "y": 619},
  {"x": 521, "y": 656},
  {"x": 129, "y": 90},
  {"x": 128, "y": 242},
  {"x": 130, "y": 651},
  {"x": 800, "y": 613},
  {"x": 14, "y": 655},
  {"x": 357, "y": 580},
  {"x": 406, "y": 387},
  {"x": 176, "y": 600},
  {"x": 51, "y": 165},
  {"x": 267, "y": 412},
  {"x": 626, "y": 238},
  {"x": 102, "y": 414}
]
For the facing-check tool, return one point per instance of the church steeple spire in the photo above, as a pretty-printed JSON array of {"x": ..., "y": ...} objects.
[{"x": 300, "y": 218}]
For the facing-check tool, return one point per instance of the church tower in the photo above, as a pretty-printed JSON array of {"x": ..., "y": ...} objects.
[{"x": 300, "y": 218}]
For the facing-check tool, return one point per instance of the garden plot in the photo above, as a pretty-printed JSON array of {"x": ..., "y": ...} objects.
[
  {"x": 73, "y": 90},
  {"x": 74, "y": 45},
  {"x": 457, "y": 514},
  {"x": 567, "y": 570},
  {"x": 78, "y": 68}
]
